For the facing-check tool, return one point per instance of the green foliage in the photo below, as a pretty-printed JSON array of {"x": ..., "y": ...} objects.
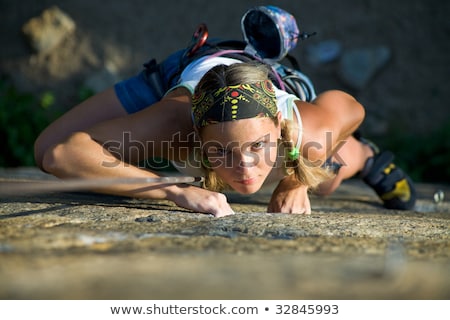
[
  {"x": 84, "y": 93},
  {"x": 22, "y": 117},
  {"x": 425, "y": 158}
]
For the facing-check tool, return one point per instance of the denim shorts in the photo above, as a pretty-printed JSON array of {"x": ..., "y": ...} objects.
[{"x": 138, "y": 92}]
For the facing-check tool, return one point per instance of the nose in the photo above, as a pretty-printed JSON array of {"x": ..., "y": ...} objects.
[{"x": 245, "y": 161}]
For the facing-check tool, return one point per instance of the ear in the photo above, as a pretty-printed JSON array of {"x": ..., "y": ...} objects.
[
  {"x": 279, "y": 117},
  {"x": 279, "y": 121}
]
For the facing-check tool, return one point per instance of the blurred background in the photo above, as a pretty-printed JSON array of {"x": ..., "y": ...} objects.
[{"x": 393, "y": 56}]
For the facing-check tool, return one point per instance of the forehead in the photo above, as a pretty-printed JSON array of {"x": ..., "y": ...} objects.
[{"x": 245, "y": 130}]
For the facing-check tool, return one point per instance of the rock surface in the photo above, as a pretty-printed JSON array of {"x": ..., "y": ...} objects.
[
  {"x": 88, "y": 246},
  {"x": 48, "y": 30},
  {"x": 358, "y": 66}
]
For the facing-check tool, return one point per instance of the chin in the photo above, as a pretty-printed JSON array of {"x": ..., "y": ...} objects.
[{"x": 247, "y": 189}]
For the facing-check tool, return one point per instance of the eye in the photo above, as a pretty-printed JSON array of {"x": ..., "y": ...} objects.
[
  {"x": 216, "y": 152},
  {"x": 258, "y": 145},
  {"x": 221, "y": 152}
]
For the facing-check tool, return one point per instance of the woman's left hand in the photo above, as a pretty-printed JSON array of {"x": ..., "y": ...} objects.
[{"x": 290, "y": 197}]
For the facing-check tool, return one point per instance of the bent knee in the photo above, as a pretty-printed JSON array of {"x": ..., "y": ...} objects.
[
  {"x": 51, "y": 159},
  {"x": 323, "y": 191},
  {"x": 40, "y": 148},
  {"x": 327, "y": 188},
  {"x": 55, "y": 159}
]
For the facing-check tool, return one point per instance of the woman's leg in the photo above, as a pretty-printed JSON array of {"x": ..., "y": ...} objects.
[
  {"x": 126, "y": 97},
  {"x": 352, "y": 157},
  {"x": 377, "y": 170},
  {"x": 101, "y": 107}
]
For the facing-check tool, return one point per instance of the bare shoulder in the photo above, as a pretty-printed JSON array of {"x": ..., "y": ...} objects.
[
  {"x": 333, "y": 97},
  {"x": 330, "y": 118},
  {"x": 178, "y": 92},
  {"x": 329, "y": 106}
]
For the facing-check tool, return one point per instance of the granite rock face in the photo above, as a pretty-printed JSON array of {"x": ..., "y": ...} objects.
[
  {"x": 48, "y": 30},
  {"x": 358, "y": 66},
  {"x": 88, "y": 246}
]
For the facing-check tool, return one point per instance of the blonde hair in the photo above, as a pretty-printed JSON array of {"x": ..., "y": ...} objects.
[{"x": 306, "y": 173}]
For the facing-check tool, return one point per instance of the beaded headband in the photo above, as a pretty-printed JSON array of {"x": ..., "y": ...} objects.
[{"x": 237, "y": 102}]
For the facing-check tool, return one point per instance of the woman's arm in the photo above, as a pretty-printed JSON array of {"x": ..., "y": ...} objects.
[
  {"x": 155, "y": 131},
  {"x": 290, "y": 197},
  {"x": 82, "y": 157},
  {"x": 101, "y": 107},
  {"x": 110, "y": 148},
  {"x": 327, "y": 122}
]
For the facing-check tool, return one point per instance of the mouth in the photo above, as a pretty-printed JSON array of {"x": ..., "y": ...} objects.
[{"x": 247, "y": 181}]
